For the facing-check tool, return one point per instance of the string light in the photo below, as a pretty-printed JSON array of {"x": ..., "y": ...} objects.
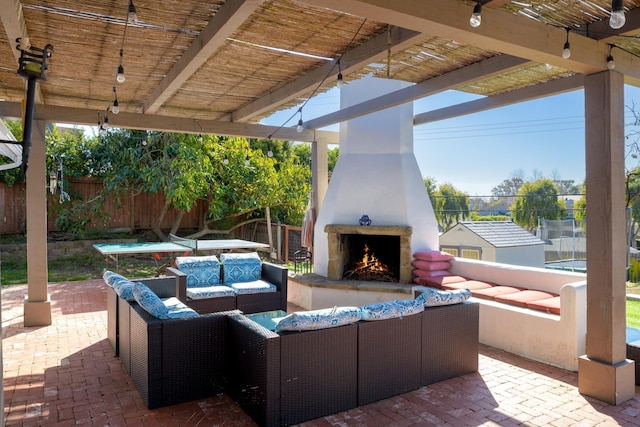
[
  {"x": 340, "y": 79},
  {"x": 200, "y": 138},
  {"x": 566, "y": 51},
  {"x": 610, "y": 63},
  {"x": 300, "y": 126},
  {"x": 617, "y": 19},
  {"x": 269, "y": 151},
  {"x": 247, "y": 161},
  {"x": 120, "y": 75},
  {"x": 132, "y": 16},
  {"x": 116, "y": 105},
  {"x": 476, "y": 16},
  {"x": 226, "y": 160}
]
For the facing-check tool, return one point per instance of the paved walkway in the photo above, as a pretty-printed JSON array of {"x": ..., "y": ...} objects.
[{"x": 65, "y": 374}]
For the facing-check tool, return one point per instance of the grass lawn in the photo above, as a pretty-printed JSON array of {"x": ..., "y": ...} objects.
[
  {"x": 633, "y": 314},
  {"x": 90, "y": 266}
]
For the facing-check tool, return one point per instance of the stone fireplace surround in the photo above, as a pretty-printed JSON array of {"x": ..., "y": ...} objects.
[{"x": 334, "y": 232}]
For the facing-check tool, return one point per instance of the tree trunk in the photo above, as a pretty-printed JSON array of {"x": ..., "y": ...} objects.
[
  {"x": 156, "y": 226},
  {"x": 176, "y": 222}
]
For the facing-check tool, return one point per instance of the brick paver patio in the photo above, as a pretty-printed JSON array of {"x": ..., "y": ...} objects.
[{"x": 65, "y": 374}]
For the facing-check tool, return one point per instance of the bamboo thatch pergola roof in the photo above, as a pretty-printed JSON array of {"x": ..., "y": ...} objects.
[{"x": 221, "y": 66}]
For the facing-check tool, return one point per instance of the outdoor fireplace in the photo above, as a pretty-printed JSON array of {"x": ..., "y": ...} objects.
[
  {"x": 372, "y": 253},
  {"x": 376, "y": 181}
]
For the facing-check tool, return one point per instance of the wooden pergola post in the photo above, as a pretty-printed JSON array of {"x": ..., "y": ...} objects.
[
  {"x": 604, "y": 372},
  {"x": 37, "y": 307}
]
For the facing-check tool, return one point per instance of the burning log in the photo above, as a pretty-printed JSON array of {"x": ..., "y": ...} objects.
[{"x": 369, "y": 268}]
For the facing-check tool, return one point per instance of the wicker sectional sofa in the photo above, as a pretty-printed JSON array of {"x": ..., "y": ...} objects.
[
  {"x": 286, "y": 378},
  {"x": 298, "y": 376}
]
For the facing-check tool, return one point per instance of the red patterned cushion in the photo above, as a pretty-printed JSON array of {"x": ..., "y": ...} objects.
[
  {"x": 492, "y": 292},
  {"x": 432, "y": 273},
  {"x": 434, "y": 255},
  {"x": 549, "y": 305},
  {"x": 525, "y": 297},
  {"x": 431, "y": 265},
  {"x": 472, "y": 285},
  {"x": 438, "y": 281}
]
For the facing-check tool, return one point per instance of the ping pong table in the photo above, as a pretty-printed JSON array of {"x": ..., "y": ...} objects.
[{"x": 176, "y": 245}]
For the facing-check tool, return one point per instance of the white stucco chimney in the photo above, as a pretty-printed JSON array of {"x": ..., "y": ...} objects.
[{"x": 376, "y": 173}]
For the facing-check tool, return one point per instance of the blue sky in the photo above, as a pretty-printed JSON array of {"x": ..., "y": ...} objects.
[{"x": 477, "y": 152}]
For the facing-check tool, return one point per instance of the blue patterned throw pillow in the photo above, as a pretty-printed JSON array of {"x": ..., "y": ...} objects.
[
  {"x": 241, "y": 267},
  {"x": 319, "y": 319},
  {"x": 391, "y": 309},
  {"x": 201, "y": 271},
  {"x": 120, "y": 284},
  {"x": 111, "y": 278},
  {"x": 150, "y": 301},
  {"x": 431, "y": 297}
]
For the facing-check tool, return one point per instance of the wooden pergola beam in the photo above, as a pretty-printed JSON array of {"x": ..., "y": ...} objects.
[
  {"x": 225, "y": 22},
  {"x": 483, "y": 69},
  {"x": 351, "y": 61},
  {"x": 86, "y": 117}
]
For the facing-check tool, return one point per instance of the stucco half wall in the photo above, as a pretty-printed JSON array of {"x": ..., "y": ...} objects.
[{"x": 549, "y": 338}]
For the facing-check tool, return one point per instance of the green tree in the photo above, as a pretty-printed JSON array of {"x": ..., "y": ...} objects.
[
  {"x": 235, "y": 176},
  {"x": 455, "y": 205},
  {"x": 11, "y": 176},
  {"x": 538, "y": 199},
  {"x": 449, "y": 204},
  {"x": 437, "y": 202},
  {"x": 580, "y": 205}
]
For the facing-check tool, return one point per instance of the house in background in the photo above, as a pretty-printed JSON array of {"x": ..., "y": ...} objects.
[{"x": 494, "y": 241}]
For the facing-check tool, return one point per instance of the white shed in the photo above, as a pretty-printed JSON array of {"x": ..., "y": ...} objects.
[{"x": 494, "y": 241}]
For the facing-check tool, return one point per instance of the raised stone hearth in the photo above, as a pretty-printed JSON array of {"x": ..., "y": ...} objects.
[{"x": 336, "y": 247}]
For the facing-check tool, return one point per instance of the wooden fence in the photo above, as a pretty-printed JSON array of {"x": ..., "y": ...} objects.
[{"x": 136, "y": 213}]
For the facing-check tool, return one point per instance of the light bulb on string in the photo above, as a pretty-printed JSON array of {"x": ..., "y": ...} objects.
[
  {"x": 566, "y": 51},
  {"x": 116, "y": 105},
  {"x": 226, "y": 160},
  {"x": 132, "y": 15},
  {"x": 340, "y": 82},
  {"x": 120, "y": 76},
  {"x": 269, "y": 151},
  {"x": 247, "y": 161},
  {"x": 476, "y": 16},
  {"x": 617, "y": 19},
  {"x": 611, "y": 65},
  {"x": 200, "y": 137}
]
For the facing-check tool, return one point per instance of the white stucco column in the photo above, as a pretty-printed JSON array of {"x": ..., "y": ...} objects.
[{"x": 37, "y": 307}]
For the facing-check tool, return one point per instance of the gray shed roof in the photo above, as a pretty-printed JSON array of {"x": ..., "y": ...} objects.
[{"x": 502, "y": 233}]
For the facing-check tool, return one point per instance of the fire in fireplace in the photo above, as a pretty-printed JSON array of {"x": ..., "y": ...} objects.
[
  {"x": 372, "y": 258},
  {"x": 389, "y": 245}
]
